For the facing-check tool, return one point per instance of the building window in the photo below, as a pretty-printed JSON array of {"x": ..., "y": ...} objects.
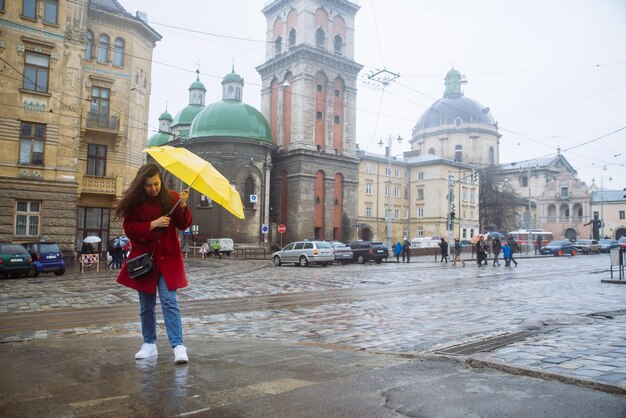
[
  {"x": 278, "y": 45},
  {"x": 32, "y": 137},
  {"x": 420, "y": 194},
  {"x": 406, "y": 192},
  {"x": 420, "y": 231},
  {"x": 465, "y": 196},
  {"x": 337, "y": 119},
  {"x": 464, "y": 233},
  {"x": 100, "y": 103},
  {"x": 492, "y": 156},
  {"x": 472, "y": 197},
  {"x": 622, "y": 214},
  {"x": 27, "y": 218},
  {"x": 368, "y": 168},
  {"x": 368, "y": 188},
  {"x": 524, "y": 181},
  {"x": 118, "y": 52},
  {"x": 420, "y": 212},
  {"x": 2, "y": 5},
  {"x": 396, "y": 172},
  {"x": 396, "y": 192},
  {"x": 564, "y": 191},
  {"x": 318, "y": 115},
  {"x": 51, "y": 11},
  {"x": 337, "y": 93},
  {"x": 458, "y": 153},
  {"x": 29, "y": 9},
  {"x": 387, "y": 190},
  {"x": 90, "y": 46},
  {"x": 420, "y": 175},
  {"x": 36, "y": 69},
  {"x": 338, "y": 44},
  {"x": 103, "y": 48},
  {"x": 396, "y": 213},
  {"x": 248, "y": 190},
  {"x": 96, "y": 160},
  {"x": 431, "y": 151},
  {"x": 92, "y": 221},
  {"x": 320, "y": 38},
  {"x": 368, "y": 211},
  {"x": 319, "y": 88},
  {"x": 387, "y": 171},
  {"x": 292, "y": 38}
]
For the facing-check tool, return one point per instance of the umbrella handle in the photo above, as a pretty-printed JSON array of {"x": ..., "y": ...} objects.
[{"x": 178, "y": 201}]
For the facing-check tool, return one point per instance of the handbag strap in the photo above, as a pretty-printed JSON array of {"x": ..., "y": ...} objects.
[{"x": 157, "y": 243}]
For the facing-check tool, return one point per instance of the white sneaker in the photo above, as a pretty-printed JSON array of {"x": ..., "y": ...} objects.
[
  {"x": 147, "y": 350},
  {"x": 180, "y": 354}
]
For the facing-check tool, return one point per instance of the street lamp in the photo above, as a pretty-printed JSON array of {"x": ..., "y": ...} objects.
[{"x": 388, "y": 152}]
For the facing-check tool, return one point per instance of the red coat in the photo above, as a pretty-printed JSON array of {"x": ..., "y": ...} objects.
[{"x": 168, "y": 258}]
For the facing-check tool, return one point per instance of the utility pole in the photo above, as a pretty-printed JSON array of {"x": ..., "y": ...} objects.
[{"x": 388, "y": 151}]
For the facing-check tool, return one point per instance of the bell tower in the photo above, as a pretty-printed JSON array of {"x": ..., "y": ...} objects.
[{"x": 309, "y": 98}]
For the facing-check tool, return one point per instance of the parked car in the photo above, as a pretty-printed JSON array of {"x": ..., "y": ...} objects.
[
  {"x": 558, "y": 248},
  {"x": 303, "y": 253},
  {"x": 587, "y": 246},
  {"x": 607, "y": 244},
  {"x": 369, "y": 250},
  {"x": 47, "y": 258},
  {"x": 14, "y": 260},
  {"x": 343, "y": 252}
]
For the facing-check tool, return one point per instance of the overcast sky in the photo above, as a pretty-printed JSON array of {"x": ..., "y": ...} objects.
[{"x": 553, "y": 72}]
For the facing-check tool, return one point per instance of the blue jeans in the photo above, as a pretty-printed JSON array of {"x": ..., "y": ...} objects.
[{"x": 171, "y": 314}]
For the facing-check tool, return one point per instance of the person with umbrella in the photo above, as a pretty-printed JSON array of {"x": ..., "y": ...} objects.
[{"x": 151, "y": 216}]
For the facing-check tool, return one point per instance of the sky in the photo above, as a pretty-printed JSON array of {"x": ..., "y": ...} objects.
[{"x": 552, "y": 72}]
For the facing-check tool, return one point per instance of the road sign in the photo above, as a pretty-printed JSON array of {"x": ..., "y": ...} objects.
[
  {"x": 282, "y": 229},
  {"x": 253, "y": 198},
  {"x": 187, "y": 231},
  {"x": 265, "y": 229}
]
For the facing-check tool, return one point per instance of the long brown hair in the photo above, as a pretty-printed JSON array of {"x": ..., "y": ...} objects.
[{"x": 136, "y": 194}]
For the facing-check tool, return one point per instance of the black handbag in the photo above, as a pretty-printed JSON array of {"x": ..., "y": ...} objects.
[{"x": 139, "y": 266}]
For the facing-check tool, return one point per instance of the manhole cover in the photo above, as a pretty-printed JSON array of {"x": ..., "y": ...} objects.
[{"x": 488, "y": 344}]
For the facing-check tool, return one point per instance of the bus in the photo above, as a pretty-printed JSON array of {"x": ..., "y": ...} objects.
[{"x": 521, "y": 237}]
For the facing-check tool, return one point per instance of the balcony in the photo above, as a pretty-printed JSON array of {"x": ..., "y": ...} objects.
[
  {"x": 99, "y": 185},
  {"x": 101, "y": 122}
]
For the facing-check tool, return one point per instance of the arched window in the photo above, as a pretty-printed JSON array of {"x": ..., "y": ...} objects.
[
  {"x": 118, "y": 52},
  {"x": 278, "y": 45},
  {"x": 103, "y": 48},
  {"x": 458, "y": 153},
  {"x": 248, "y": 190},
  {"x": 492, "y": 156},
  {"x": 338, "y": 44},
  {"x": 292, "y": 37},
  {"x": 431, "y": 151},
  {"x": 89, "y": 47},
  {"x": 320, "y": 38}
]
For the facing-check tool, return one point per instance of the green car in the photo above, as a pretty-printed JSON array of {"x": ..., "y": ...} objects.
[{"x": 14, "y": 260}]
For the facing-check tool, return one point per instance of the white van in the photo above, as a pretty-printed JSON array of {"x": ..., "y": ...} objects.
[{"x": 226, "y": 245}]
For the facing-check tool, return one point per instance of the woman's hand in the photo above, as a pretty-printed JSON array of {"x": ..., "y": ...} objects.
[
  {"x": 162, "y": 222},
  {"x": 184, "y": 195}
]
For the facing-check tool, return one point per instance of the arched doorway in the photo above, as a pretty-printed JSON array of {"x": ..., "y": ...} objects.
[
  {"x": 365, "y": 234},
  {"x": 570, "y": 234},
  {"x": 620, "y": 233}
]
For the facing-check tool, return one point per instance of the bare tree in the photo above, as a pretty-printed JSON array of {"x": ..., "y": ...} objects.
[{"x": 498, "y": 202}]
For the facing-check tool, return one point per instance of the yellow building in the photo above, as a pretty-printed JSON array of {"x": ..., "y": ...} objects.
[
  {"x": 75, "y": 88},
  {"x": 419, "y": 193}
]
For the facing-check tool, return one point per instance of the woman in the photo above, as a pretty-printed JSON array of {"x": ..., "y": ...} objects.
[
  {"x": 458, "y": 250},
  {"x": 151, "y": 216},
  {"x": 496, "y": 247}
]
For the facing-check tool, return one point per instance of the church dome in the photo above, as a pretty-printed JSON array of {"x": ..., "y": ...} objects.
[
  {"x": 185, "y": 116},
  {"x": 166, "y": 116},
  {"x": 158, "y": 139},
  {"x": 231, "y": 118},
  {"x": 232, "y": 77},
  {"x": 454, "y": 107},
  {"x": 197, "y": 85}
]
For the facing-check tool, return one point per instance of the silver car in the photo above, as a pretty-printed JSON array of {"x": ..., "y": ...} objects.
[{"x": 303, "y": 253}]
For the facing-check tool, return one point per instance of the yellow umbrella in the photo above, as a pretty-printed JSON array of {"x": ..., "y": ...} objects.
[{"x": 200, "y": 175}]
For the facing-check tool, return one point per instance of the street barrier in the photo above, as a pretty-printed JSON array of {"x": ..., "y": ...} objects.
[{"x": 87, "y": 260}]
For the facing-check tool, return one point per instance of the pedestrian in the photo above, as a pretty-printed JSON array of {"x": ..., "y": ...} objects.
[
  {"x": 506, "y": 253},
  {"x": 216, "y": 248},
  {"x": 481, "y": 251},
  {"x": 496, "y": 247},
  {"x": 539, "y": 242},
  {"x": 398, "y": 251},
  {"x": 151, "y": 216},
  {"x": 406, "y": 250},
  {"x": 514, "y": 248},
  {"x": 443, "y": 245},
  {"x": 458, "y": 250},
  {"x": 87, "y": 248},
  {"x": 118, "y": 255},
  {"x": 111, "y": 251},
  {"x": 204, "y": 249}
]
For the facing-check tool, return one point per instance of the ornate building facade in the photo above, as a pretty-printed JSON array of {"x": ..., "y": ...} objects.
[{"x": 73, "y": 116}]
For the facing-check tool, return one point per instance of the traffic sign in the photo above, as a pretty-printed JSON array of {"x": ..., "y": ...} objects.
[
  {"x": 265, "y": 229},
  {"x": 187, "y": 231},
  {"x": 253, "y": 198},
  {"x": 282, "y": 229}
]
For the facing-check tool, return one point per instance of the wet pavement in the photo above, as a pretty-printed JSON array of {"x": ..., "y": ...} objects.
[{"x": 549, "y": 318}]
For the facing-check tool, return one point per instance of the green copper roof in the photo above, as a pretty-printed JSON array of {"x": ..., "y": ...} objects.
[
  {"x": 197, "y": 85},
  {"x": 185, "y": 116},
  {"x": 166, "y": 115},
  {"x": 158, "y": 139},
  {"x": 232, "y": 77},
  {"x": 231, "y": 118}
]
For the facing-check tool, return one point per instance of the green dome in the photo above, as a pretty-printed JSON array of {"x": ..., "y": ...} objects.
[
  {"x": 158, "y": 139},
  {"x": 166, "y": 116},
  {"x": 231, "y": 118},
  {"x": 232, "y": 77},
  {"x": 185, "y": 116},
  {"x": 197, "y": 85}
]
